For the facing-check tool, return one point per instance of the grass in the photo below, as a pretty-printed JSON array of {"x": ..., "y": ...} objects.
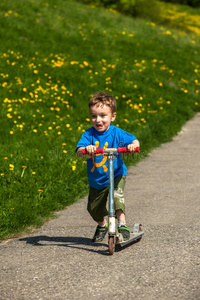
[{"x": 53, "y": 56}]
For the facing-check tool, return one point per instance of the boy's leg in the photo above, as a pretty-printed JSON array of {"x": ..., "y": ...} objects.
[
  {"x": 119, "y": 185},
  {"x": 97, "y": 200},
  {"x": 97, "y": 208}
]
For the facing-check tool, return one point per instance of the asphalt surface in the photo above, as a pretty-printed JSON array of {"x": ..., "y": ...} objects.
[{"x": 59, "y": 261}]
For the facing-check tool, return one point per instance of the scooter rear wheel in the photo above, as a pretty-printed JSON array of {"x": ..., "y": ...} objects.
[{"x": 111, "y": 245}]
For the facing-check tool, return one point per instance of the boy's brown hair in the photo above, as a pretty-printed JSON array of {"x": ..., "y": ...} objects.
[{"x": 103, "y": 98}]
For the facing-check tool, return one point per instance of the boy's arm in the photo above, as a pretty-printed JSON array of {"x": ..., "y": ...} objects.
[{"x": 131, "y": 147}]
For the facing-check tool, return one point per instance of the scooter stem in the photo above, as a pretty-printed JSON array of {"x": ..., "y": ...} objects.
[
  {"x": 111, "y": 158},
  {"x": 111, "y": 217}
]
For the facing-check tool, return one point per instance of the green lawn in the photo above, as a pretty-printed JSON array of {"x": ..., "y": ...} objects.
[{"x": 54, "y": 54}]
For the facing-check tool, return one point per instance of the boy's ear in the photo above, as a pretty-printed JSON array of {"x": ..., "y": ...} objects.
[{"x": 113, "y": 116}]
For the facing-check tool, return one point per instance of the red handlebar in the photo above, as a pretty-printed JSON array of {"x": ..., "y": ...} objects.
[
  {"x": 100, "y": 150},
  {"x": 119, "y": 150},
  {"x": 125, "y": 150}
]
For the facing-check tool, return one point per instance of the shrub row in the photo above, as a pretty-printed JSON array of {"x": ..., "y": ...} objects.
[
  {"x": 193, "y": 3},
  {"x": 135, "y": 8}
]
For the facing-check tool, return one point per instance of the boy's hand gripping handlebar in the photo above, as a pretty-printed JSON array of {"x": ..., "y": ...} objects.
[{"x": 112, "y": 150}]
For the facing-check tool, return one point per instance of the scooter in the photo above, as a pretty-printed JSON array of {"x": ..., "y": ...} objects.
[{"x": 114, "y": 237}]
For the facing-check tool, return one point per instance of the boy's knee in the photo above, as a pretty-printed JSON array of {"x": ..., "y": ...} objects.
[{"x": 97, "y": 215}]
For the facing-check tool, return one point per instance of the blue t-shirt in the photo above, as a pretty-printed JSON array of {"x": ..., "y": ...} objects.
[{"x": 97, "y": 166}]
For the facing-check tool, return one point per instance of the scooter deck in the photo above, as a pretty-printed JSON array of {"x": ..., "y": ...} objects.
[{"x": 134, "y": 236}]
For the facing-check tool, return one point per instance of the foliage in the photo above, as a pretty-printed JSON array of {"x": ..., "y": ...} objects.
[
  {"x": 179, "y": 16},
  {"x": 193, "y": 3},
  {"x": 54, "y": 55},
  {"x": 134, "y": 8}
]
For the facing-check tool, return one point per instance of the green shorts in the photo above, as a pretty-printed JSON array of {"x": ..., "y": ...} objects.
[{"x": 97, "y": 199}]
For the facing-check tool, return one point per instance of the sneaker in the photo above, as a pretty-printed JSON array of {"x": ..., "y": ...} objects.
[
  {"x": 100, "y": 233},
  {"x": 125, "y": 231}
]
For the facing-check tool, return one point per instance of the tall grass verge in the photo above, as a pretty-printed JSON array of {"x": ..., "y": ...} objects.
[{"x": 53, "y": 56}]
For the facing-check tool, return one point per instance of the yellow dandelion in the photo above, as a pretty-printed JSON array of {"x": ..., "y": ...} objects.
[
  {"x": 9, "y": 116},
  {"x": 33, "y": 173},
  {"x": 73, "y": 168}
]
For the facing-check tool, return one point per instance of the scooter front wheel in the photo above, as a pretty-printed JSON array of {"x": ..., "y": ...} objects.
[{"x": 111, "y": 245}]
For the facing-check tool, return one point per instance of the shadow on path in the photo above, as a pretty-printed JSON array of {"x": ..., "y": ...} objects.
[{"x": 70, "y": 242}]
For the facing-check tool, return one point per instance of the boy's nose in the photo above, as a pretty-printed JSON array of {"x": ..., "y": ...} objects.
[{"x": 98, "y": 118}]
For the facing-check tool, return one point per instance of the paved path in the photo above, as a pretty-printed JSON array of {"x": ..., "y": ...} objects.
[{"x": 60, "y": 262}]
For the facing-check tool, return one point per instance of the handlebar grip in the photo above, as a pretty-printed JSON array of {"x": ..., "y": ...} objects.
[
  {"x": 125, "y": 150},
  {"x": 122, "y": 150},
  {"x": 100, "y": 150}
]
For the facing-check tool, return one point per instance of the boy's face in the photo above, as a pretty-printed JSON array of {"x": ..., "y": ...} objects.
[{"x": 101, "y": 116}]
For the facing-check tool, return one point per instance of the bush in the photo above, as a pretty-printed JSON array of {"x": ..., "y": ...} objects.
[
  {"x": 135, "y": 8},
  {"x": 138, "y": 8},
  {"x": 193, "y": 3}
]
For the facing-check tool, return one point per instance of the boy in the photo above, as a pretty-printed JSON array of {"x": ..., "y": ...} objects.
[{"x": 102, "y": 134}]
